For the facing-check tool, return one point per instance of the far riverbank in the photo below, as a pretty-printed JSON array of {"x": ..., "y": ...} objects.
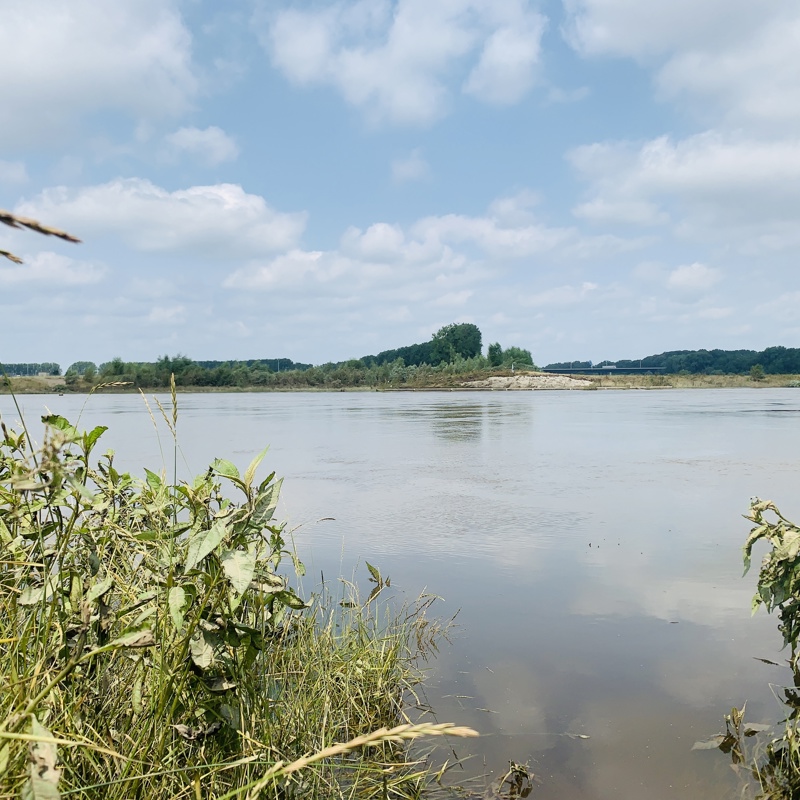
[{"x": 497, "y": 381}]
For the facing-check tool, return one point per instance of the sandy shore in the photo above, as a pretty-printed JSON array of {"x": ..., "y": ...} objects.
[{"x": 530, "y": 382}]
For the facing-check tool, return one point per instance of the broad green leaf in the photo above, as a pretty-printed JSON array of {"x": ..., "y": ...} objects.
[
  {"x": 42, "y": 783},
  {"x": 99, "y": 589},
  {"x": 266, "y": 503},
  {"x": 203, "y": 543},
  {"x": 225, "y": 468},
  {"x": 90, "y": 439},
  {"x": 61, "y": 424},
  {"x": 201, "y": 651},
  {"x": 375, "y": 572},
  {"x": 250, "y": 473},
  {"x": 239, "y": 567},
  {"x": 289, "y": 598},
  {"x": 153, "y": 480},
  {"x": 177, "y": 605}
]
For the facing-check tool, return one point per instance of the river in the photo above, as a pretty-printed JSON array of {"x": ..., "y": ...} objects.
[{"x": 591, "y": 542}]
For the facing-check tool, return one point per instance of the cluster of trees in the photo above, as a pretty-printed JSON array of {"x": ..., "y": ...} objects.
[
  {"x": 773, "y": 361},
  {"x": 457, "y": 340},
  {"x": 511, "y": 356},
  {"x": 453, "y": 350},
  {"x": 32, "y": 368}
]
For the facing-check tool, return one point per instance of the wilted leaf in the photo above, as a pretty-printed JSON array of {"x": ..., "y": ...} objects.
[
  {"x": 43, "y": 781},
  {"x": 239, "y": 567},
  {"x": 221, "y": 685},
  {"x": 251, "y": 470},
  {"x": 714, "y": 742},
  {"x": 203, "y": 543},
  {"x": 135, "y": 639},
  {"x": 752, "y": 728},
  {"x": 31, "y": 596},
  {"x": 201, "y": 651},
  {"x": 99, "y": 589},
  {"x": 193, "y": 734},
  {"x": 177, "y": 604}
]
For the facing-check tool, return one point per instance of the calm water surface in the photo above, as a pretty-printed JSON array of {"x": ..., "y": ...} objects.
[{"x": 591, "y": 540}]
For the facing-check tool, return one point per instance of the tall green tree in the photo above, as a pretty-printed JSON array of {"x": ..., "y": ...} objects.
[
  {"x": 457, "y": 339},
  {"x": 495, "y": 354}
]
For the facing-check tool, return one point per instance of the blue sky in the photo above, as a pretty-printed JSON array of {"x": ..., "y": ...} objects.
[{"x": 584, "y": 178}]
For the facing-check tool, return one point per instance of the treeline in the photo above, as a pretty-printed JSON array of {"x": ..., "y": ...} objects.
[
  {"x": 32, "y": 368},
  {"x": 773, "y": 361},
  {"x": 454, "y": 350},
  {"x": 241, "y": 374}
]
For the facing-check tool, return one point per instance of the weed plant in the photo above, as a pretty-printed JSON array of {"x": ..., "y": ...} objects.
[{"x": 152, "y": 644}]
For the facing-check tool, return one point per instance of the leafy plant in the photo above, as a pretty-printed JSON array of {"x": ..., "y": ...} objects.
[{"x": 148, "y": 631}]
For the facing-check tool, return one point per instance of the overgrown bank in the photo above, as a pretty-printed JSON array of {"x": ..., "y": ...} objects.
[{"x": 153, "y": 645}]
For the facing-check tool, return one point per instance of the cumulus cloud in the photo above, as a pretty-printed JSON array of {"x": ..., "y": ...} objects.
[
  {"x": 733, "y": 56},
  {"x": 693, "y": 279},
  {"x": 711, "y": 180},
  {"x": 51, "y": 270},
  {"x": 72, "y": 59},
  {"x": 210, "y": 146},
  {"x": 397, "y": 60},
  {"x": 411, "y": 168},
  {"x": 560, "y": 296},
  {"x": 220, "y": 221}
]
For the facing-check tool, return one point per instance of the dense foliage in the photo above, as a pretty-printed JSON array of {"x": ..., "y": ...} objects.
[
  {"x": 773, "y": 361},
  {"x": 151, "y": 644},
  {"x": 32, "y": 368}
]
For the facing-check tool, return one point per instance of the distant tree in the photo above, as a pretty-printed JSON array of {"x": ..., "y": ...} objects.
[
  {"x": 455, "y": 340},
  {"x": 756, "y": 372},
  {"x": 89, "y": 373},
  {"x": 517, "y": 356},
  {"x": 79, "y": 367},
  {"x": 495, "y": 354}
]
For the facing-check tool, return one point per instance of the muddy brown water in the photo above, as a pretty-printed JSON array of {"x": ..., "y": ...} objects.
[{"x": 591, "y": 541}]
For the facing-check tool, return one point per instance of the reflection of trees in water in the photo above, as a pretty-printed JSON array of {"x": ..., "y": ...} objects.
[{"x": 463, "y": 421}]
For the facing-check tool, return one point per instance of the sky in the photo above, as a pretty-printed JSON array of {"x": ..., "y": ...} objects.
[{"x": 588, "y": 179}]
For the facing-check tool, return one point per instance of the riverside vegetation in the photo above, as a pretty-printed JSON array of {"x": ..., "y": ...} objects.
[
  {"x": 153, "y": 646},
  {"x": 765, "y": 755}
]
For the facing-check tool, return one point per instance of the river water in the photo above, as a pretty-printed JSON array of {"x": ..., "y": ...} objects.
[{"x": 591, "y": 542}]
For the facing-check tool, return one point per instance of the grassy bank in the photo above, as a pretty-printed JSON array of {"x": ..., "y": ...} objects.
[
  {"x": 154, "y": 643},
  {"x": 421, "y": 381}
]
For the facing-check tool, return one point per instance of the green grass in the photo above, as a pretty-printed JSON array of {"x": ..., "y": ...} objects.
[{"x": 152, "y": 644}]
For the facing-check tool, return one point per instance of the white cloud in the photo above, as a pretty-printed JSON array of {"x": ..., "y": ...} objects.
[
  {"x": 506, "y": 69},
  {"x": 560, "y": 296},
  {"x": 13, "y": 173},
  {"x": 397, "y": 60},
  {"x": 711, "y": 180},
  {"x": 167, "y": 315},
  {"x": 210, "y": 146},
  {"x": 72, "y": 59},
  {"x": 693, "y": 279},
  {"x": 411, "y": 168},
  {"x": 51, "y": 270},
  {"x": 736, "y": 57},
  {"x": 220, "y": 221}
]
